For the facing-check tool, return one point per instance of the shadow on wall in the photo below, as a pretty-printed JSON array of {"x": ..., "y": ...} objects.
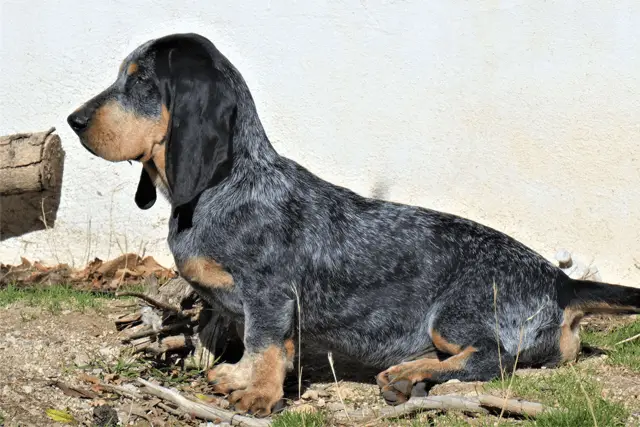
[{"x": 31, "y": 168}]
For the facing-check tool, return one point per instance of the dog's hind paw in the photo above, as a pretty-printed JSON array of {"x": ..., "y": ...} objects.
[{"x": 395, "y": 390}]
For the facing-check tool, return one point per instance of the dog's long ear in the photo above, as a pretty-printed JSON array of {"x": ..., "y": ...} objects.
[
  {"x": 203, "y": 108},
  {"x": 146, "y": 192}
]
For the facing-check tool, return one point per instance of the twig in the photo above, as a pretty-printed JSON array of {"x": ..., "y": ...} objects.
[
  {"x": 172, "y": 343},
  {"x": 495, "y": 312},
  {"x": 295, "y": 290},
  {"x": 132, "y": 394},
  {"x": 635, "y": 337},
  {"x": 477, "y": 405},
  {"x": 170, "y": 410},
  {"x": 120, "y": 390},
  {"x": 589, "y": 403},
  {"x": 140, "y": 413},
  {"x": 148, "y": 331},
  {"x": 513, "y": 406},
  {"x": 146, "y": 298},
  {"x": 335, "y": 378},
  {"x": 73, "y": 391},
  {"x": 200, "y": 410}
]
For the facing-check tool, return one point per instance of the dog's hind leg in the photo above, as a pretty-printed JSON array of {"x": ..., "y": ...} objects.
[{"x": 477, "y": 362}]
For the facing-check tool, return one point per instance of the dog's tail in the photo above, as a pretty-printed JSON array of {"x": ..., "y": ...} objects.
[{"x": 598, "y": 297}]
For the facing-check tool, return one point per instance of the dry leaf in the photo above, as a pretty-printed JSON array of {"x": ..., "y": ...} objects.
[
  {"x": 60, "y": 416},
  {"x": 88, "y": 378}
]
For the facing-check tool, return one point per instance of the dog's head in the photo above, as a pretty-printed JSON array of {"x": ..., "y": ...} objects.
[{"x": 173, "y": 108}]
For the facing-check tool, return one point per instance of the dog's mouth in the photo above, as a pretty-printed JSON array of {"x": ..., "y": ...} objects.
[{"x": 89, "y": 149}]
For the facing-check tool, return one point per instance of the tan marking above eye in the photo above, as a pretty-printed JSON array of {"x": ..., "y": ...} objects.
[{"x": 132, "y": 68}]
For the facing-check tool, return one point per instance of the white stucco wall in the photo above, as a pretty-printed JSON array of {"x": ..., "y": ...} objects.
[{"x": 523, "y": 115}]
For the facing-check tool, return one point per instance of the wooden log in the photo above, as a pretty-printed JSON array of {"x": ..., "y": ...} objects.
[
  {"x": 29, "y": 162},
  {"x": 31, "y": 168}
]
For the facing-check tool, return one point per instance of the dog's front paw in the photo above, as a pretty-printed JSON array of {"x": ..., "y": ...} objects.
[
  {"x": 229, "y": 377},
  {"x": 258, "y": 401}
]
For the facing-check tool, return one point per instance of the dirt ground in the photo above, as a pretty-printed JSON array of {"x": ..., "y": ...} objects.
[{"x": 38, "y": 348}]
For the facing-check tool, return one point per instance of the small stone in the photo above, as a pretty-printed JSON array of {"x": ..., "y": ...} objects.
[
  {"x": 320, "y": 403},
  {"x": 343, "y": 392},
  {"x": 564, "y": 258},
  {"x": 109, "y": 353},
  {"x": 305, "y": 408},
  {"x": 310, "y": 395},
  {"x": 81, "y": 359},
  {"x": 453, "y": 381},
  {"x": 27, "y": 389}
]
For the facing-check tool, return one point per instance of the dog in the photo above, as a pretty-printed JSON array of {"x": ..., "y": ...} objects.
[{"x": 425, "y": 296}]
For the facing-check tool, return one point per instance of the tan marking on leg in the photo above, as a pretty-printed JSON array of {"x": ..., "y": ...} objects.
[
  {"x": 424, "y": 369},
  {"x": 206, "y": 272},
  {"x": 117, "y": 134},
  {"x": 444, "y": 345},
  {"x": 290, "y": 350},
  {"x": 570, "y": 335},
  {"x": 265, "y": 390},
  {"x": 132, "y": 68}
]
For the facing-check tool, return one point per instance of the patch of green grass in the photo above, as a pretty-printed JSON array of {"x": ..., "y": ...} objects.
[
  {"x": 176, "y": 377},
  {"x": 294, "y": 419},
  {"x": 1, "y": 419},
  {"x": 627, "y": 354},
  {"x": 451, "y": 420},
  {"x": 131, "y": 367},
  {"x": 53, "y": 298},
  {"x": 445, "y": 419},
  {"x": 124, "y": 367},
  {"x": 561, "y": 389}
]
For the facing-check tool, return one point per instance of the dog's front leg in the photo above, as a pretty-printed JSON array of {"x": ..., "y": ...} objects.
[{"x": 256, "y": 381}]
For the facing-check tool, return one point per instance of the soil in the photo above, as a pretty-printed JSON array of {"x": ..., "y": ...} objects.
[{"x": 38, "y": 348}]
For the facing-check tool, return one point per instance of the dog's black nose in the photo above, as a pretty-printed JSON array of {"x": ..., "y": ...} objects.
[{"x": 78, "y": 121}]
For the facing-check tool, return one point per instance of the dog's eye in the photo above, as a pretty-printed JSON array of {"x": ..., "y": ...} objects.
[{"x": 133, "y": 81}]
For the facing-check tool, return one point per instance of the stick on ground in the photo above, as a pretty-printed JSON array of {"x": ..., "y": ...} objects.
[
  {"x": 476, "y": 404},
  {"x": 200, "y": 410},
  {"x": 512, "y": 406}
]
